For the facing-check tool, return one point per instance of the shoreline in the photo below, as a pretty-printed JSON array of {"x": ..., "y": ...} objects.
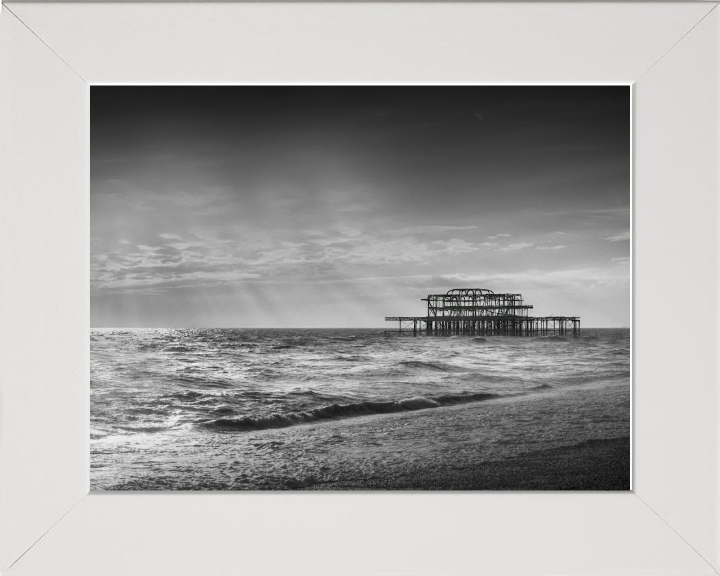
[
  {"x": 494, "y": 446},
  {"x": 597, "y": 465}
]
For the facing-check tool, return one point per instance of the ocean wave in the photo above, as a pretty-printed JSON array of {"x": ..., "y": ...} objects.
[
  {"x": 182, "y": 396},
  {"x": 149, "y": 346},
  {"x": 143, "y": 429},
  {"x": 425, "y": 365},
  {"x": 486, "y": 377},
  {"x": 179, "y": 348},
  {"x": 224, "y": 410},
  {"x": 299, "y": 390},
  {"x": 542, "y": 387},
  {"x": 336, "y": 411}
]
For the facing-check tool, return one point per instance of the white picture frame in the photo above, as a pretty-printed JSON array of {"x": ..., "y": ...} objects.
[{"x": 50, "y": 53}]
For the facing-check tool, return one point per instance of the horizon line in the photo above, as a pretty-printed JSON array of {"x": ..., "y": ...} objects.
[{"x": 289, "y": 328}]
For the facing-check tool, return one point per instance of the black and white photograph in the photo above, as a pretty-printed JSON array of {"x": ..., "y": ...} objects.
[{"x": 360, "y": 287}]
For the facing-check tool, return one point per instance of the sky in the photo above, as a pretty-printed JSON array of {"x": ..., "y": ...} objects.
[{"x": 335, "y": 206}]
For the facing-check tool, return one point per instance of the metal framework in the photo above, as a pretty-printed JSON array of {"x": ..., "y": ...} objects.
[{"x": 481, "y": 311}]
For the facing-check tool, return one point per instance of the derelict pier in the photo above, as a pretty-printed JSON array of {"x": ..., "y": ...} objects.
[{"x": 482, "y": 312}]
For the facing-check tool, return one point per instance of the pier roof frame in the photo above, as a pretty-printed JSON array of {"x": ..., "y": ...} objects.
[
  {"x": 469, "y": 290},
  {"x": 49, "y": 523},
  {"x": 484, "y": 295}
]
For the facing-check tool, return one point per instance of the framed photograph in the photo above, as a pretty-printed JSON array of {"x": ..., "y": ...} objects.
[
  {"x": 209, "y": 212},
  {"x": 247, "y": 243}
]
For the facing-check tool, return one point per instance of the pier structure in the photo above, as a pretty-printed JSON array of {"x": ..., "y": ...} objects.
[{"x": 483, "y": 312}]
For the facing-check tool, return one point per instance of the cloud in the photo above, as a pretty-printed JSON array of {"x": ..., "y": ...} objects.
[
  {"x": 499, "y": 236},
  {"x": 619, "y": 237},
  {"x": 515, "y": 246},
  {"x": 620, "y": 259},
  {"x": 428, "y": 230},
  {"x": 161, "y": 264},
  {"x": 554, "y": 279},
  {"x": 456, "y": 246},
  {"x": 558, "y": 247}
]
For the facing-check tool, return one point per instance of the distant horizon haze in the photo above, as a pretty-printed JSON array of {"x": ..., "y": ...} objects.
[{"x": 388, "y": 328}]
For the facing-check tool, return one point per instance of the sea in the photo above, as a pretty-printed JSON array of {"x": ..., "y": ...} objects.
[{"x": 271, "y": 409}]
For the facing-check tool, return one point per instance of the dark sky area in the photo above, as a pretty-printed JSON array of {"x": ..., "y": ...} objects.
[{"x": 336, "y": 206}]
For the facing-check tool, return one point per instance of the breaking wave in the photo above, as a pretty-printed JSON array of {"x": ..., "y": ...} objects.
[
  {"x": 335, "y": 411},
  {"x": 425, "y": 365}
]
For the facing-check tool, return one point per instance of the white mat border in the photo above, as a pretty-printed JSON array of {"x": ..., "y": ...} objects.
[{"x": 50, "y": 55}]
